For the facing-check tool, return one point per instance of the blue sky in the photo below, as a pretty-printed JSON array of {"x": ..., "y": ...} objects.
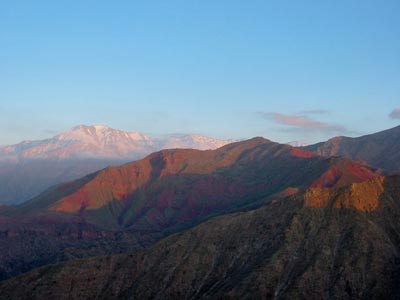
[{"x": 285, "y": 70}]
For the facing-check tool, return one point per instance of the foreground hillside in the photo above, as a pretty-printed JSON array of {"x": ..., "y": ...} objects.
[
  {"x": 381, "y": 149},
  {"x": 131, "y": 206},
  {"x": 340, "y": 243}
]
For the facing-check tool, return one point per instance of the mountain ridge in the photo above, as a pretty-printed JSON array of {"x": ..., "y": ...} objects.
[
  {"x": 380, "y": 149},
  {"x": 166, "y": 192}
]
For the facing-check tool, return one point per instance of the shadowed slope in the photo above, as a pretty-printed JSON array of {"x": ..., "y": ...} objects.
[
  {"x": 381, "y": 149},
  {"x": 22, "y": 181},
  {"x": 286, "y": 250}
]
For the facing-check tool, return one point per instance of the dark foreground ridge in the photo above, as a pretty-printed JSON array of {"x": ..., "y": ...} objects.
[{"x": 289, "y": 249}]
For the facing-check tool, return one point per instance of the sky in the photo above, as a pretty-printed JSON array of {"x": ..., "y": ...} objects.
[{"x": 286, "y": 70}]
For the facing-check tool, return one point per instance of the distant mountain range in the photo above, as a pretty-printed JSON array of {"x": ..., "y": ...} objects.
[
  {"x": 381, "y": 149},
  {"x": 30, "y": 167},
  {"x": 100, "y": 141},
  {"x": 297, "y": 144}
]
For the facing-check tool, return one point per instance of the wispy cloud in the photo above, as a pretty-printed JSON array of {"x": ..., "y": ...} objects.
[
  {"x": 303, "y": 123},
  {"x": 395, "y": 114},
  {"x": 315, "y": 112}
]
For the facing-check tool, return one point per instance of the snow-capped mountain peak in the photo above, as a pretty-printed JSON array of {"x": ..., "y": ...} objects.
[
  {"x": 195, "y": 141},
  {"x": 100, "y": 134},
  {"x": 101, "y": 141},
  {"x": 297, "y": 144}
]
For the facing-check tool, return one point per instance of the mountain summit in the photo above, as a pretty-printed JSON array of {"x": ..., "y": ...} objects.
[
  {"x": 101, "y": 141},
  {"x": 97, "y": 141}
]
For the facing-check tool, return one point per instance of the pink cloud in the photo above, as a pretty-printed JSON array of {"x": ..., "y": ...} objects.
[
  {"x": 303, "y": 122},
  {"x": 395, "y": 114}
]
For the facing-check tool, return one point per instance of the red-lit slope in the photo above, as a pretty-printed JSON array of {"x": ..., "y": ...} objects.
[
  {"x": 176, "y": 187},
  {"x": 129, "y": 207}
]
